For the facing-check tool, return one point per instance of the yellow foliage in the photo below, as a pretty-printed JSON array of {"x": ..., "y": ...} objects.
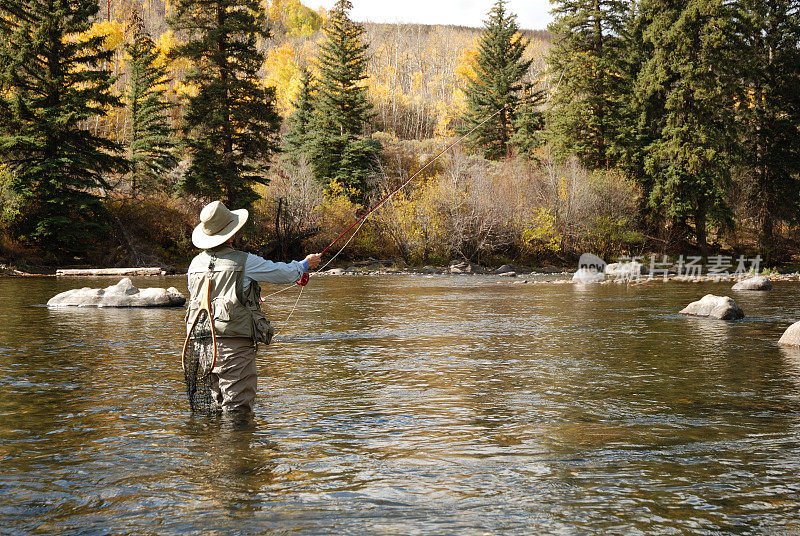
[
  {"x": 176, "y": 67},
  {"x": 468, "y": 62},
  {"x": 539, "y": 236},
  {"x": 283, "y": 72},
  {"x": 298, "y": 19},
  {"x": 112, "y": 32},
  {"x": 337, "y": 212}
]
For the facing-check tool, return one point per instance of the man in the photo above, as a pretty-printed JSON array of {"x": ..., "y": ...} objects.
[{"x": 235, "y": 297}]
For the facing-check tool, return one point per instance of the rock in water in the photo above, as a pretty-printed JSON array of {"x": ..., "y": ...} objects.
[
  {"x": 587, "y": 275},
  {"x": 505, "y": 269},
  {"x": 758, "y": 282},
  {"x": 721, "y": 307},
  {"x": 791, "y": 337},
  {"x": 123, "y": 294},
  {"x": 626, "y": 270}
]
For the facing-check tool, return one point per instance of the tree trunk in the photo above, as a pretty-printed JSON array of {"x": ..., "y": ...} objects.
[{"x": 700, "y": 230}]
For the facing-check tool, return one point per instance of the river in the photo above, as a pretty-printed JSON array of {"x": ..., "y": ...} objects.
[{"x": 409, "y": 405}]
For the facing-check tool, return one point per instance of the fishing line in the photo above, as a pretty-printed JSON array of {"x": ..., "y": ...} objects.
[{"x": 363, "y": 218}]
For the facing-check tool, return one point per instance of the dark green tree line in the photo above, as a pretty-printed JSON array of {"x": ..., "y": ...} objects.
[
  {"x": 151, "y": 146},
  {"x": 339, "y": 149},
  {"x": 588, "y": 57},
  {"x": 497, "y": 91},
  {"x": 230, "y": 124},
  {"x": 768, "y": 57},
  {"x": 692, "y": 158},
  {"x": 52, "y": 80},
  {"x": 298, "y": 137}
]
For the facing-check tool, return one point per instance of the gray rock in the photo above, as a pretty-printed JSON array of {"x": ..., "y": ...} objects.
[
  {"x": 428, "y": 270},
  {"x": 626, "y": 270},
  {"x": 721, "y": 307},
  {"x": 758, "y": 282},
  {"x": 334, "y": 271},
  {"x": 506, "y": 268},
  {"x": 508, "y": 274},
  {"x": 550, "y": 269},
  {"x": 465, "y": 267},
  {"x": 123, "y": 294},
  {"x": 585, "y": 275},
  {"x": 791, "y": 337}
]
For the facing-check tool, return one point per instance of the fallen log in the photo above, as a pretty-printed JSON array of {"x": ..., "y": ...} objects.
[{"x": 116, "y": 272}]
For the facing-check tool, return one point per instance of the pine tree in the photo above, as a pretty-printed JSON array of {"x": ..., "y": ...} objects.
[
  {"x": 498, "y": 84},
  {"x": 298, "y": 138},
  {"x": 339, "y": 150},
  {"x": 768, "y": 37},
  {"x": 230, "y": 124},
  {"x": 52, "y": 80},
  {"x": 529, "y": 125},
  {"x": 588, "y": 56},
  {"x": 691, "y": 160},
  {"x": 151, "y": 144}
]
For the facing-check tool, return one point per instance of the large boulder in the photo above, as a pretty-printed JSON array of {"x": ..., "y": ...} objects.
[
  {"x": 587, "y": 275},
  {"x": 505, "y": 269},
  {"x": 759, "y": 282},
  {"x": 465, "y": 268},
  {"x": 123, "y": 294},
  {"x": 625, "y": 270},
  {"x": 791, "y": 337},
  {"x": 721, "y": 307}
]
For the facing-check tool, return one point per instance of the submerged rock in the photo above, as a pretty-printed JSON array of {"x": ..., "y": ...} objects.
[
  {"x": 759, "y": 282},
  {"x": 721, "y": 307},
  {"x": 123, "y": 294},
  {"x": 791, "y": 337},
  {"x": 586, "y": 275}
]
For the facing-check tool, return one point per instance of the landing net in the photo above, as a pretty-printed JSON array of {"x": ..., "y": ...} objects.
[{"x": 199, "y": 359}]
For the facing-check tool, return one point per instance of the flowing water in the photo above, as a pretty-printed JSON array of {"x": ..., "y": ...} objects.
[{"x": 409, "y": 405}]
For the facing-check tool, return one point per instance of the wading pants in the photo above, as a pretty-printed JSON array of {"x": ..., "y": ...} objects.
[{"x": 234, "y": 379}]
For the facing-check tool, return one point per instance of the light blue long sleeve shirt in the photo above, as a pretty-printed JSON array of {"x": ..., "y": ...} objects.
[{"x": 259, "y": 269}]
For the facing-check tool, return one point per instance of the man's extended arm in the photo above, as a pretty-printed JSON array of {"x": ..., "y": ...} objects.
[{"x": 263, "y": 270}]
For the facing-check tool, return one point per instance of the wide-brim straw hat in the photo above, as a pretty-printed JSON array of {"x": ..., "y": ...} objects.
[{"x": 217, "y": 225}]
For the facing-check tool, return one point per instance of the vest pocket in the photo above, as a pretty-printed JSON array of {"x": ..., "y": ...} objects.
[{"x": 221, "y": 309}]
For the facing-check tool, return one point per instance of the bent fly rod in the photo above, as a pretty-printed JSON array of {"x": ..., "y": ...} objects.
[{"x": 303, "y": 281}]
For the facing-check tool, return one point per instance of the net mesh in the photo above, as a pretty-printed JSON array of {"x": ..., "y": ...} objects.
[{"x": 198, "y": 362}]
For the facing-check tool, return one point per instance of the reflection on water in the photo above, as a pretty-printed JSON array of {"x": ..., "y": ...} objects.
[{"x": 397, "y": 405}]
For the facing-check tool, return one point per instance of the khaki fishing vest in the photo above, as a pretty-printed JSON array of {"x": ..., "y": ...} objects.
[{"x": 236, "y": 312}]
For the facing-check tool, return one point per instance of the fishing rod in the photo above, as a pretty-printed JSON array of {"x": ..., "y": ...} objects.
[{"x": 360, "y": 221}]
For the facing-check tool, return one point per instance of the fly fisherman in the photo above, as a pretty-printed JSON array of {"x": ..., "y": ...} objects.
[{"x": 235, "y": 298}]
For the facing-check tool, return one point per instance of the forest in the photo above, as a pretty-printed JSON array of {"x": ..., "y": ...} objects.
[{"x": 628, "y": 128}]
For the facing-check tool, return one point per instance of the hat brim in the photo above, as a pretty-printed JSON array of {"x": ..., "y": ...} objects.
[{"x": 204, "y": 241}]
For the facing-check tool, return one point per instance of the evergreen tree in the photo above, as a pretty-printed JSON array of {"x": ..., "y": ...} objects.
[
  {"x": 691, "y": 160},
  {"x": 769, "y": 58},
  {"x": 529, "y": 124},
  {"x": 230, "y": 123},
  {"x": 298, "y": 138},
  {"x": 588, "y": 53},
  {"x": 151, "y": 145},
  {"x": 52, "y": 80},
  {"x": 498, "y": 84},
  {"x": 641, "y": 113},
  {"x": 339, "y": 151}
]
